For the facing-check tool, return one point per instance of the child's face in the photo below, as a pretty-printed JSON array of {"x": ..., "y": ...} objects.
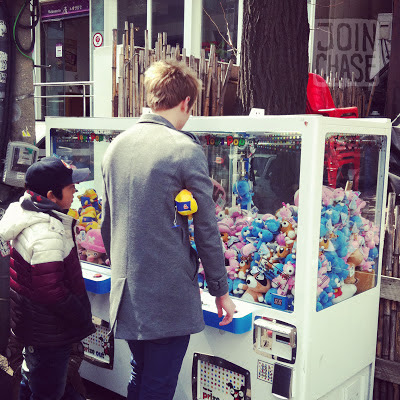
[{"x": 67, "y": 197}]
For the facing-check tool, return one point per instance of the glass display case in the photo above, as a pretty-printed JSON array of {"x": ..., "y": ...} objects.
[{"x": 299, "y": 203}]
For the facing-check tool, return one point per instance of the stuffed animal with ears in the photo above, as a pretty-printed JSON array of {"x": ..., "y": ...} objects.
[
  {"x": 272, "y": 225},
  {"x": 269, "y": 295},
  {"x": 264, "y": 236},
  {"x": 255, "y": 288},
  {"x": 87, "y": 215},
  {"x": 90, "y": 199},
  {"x": 226, "y": 225},
  {"x": 336, "y": 284},
  {"x": 233, "y": 263},
  {"x": 340, "y": 243},
  {"x": 80, "y": 237},
  {"x": 237, "y": 394},
  {"x": 355, "y": 204},
  {"x": 337, "y": 265},
  {"x": 289, "y": 231},
  {"x": 341, "y": 290},
  {"x": 244, "y": 194},
  {"x": 327, "y": 196},
  {"x": 73, "y": 213},
  {"x": 285, "y": 281},
  {"x": 324, "y": 300},
  {"x": 95, "y": 250},
  {"x": 258, "y": 222},
  {"x": 331, "y": 213},
  {"x": 244, "y": 267},
  {"x": 201, "y": 277},
  {"x": 237, "y": 289}
]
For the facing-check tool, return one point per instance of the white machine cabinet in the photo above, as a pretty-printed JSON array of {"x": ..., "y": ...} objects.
[{"x": 300, "y": 204}]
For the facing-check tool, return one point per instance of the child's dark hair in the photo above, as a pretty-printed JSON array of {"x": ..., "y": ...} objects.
[{"x": 57, "y": 191}]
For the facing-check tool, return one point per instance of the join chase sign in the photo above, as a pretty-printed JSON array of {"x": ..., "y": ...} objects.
[{"x": 346, "y": 46}]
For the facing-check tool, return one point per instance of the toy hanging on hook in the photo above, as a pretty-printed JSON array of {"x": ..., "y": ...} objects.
[{"x": 185, "y": 204}]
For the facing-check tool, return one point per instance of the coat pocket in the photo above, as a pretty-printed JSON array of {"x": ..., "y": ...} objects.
[{"x": 117, "y": 291}]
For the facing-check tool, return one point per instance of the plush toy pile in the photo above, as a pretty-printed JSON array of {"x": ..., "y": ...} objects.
[
  {"x": 260, "y": 251},
  {"x": 88, "y": 236}
]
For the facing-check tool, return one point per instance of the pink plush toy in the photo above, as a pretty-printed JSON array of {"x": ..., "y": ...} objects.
[
  {"x": 285, "y": 281},
  {"x": 231, "y": 255},
  {"x": 80, "y": 237},
  {"x": 338, "y": 195},
  {"x": 94, "y": 246},
  {"x": 327, "y": 196},
  {"x": 226, "y": 225}
]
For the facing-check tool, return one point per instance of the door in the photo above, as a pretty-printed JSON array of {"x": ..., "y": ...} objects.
[{"x": 65, "y": 50}]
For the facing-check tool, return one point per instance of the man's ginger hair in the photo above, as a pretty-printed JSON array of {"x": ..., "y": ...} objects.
[{"x": 168, "y": 83}]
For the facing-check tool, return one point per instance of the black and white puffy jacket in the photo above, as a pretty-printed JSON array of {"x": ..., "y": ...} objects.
[{"x": 49, "y": 302}]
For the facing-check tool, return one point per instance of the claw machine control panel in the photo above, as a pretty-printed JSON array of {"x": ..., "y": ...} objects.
[{"x": 299, "y": 202}]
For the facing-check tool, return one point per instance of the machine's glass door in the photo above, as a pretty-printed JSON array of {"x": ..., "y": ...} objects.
[
  {"x": 350, "y": 216},
  {"x": 256, "y": 177}
]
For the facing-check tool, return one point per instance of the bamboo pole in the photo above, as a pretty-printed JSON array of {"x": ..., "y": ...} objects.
[
  {"x": 209, "y": 80},
  {"x": 114, "y": 74},
  {"x": 121, "y": 86},
  {"x": 146, "y": 49},
  {"x": 131, "y": 69},
  {"x": 374, "y": 85},
  {"x": 141, "y": 80},
  {"x": 217, "y": 89},
  {"x": 376, "y": 395},
  {"x": 128, "y": 89},
  {"x": 164, "y": 46},
  {"x": 202, "y": 65},
  {"x": 136, "y": 84},
  {"x": 177, "y": 52},
  {"x": 126, "y": 69},
  {"x": 224, "y": 87}
]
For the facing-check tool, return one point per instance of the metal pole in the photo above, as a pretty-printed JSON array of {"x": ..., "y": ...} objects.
[{"x": 84, "y": 100}]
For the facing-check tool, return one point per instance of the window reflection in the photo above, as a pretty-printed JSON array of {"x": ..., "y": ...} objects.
[
  {"x": 168, "y": 17},
  {"x": 350, "y": 223},
  {"x": 220, "y": 26},
  {"x": 135, "y": 12},
  {"x": 352, "y": 46}
]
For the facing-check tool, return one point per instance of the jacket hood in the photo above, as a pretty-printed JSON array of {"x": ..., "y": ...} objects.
[{"x": 19, "y": 216}]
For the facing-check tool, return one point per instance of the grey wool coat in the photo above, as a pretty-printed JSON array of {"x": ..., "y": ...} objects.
[{"x": 154, "y": 288}]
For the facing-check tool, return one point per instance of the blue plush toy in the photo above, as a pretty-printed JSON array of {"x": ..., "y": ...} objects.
[
  {"x": 258, "y": 222},
  {"x": 336, "y": 283},
  {"x": 341, "y": 244},
  {"x": 273, "y": 225},
  {"x": 242, "y": 190},
  {"x": 338, "y": 265},
  {"x": 245, "y": 233},
  {"x": 332, "y": 214},
  {"x": 264, "y": 236},
  {"x": 373, "y": 253},
  {"x": 268, "y": 297},
  {"x": 236, "y": 290}
]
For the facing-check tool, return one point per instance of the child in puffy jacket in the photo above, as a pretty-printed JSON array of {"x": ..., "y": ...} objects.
[{"x": 50, "y": 309}]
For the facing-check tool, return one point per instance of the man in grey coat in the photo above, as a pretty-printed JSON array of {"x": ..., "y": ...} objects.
[{"x": 155, "y": 302}]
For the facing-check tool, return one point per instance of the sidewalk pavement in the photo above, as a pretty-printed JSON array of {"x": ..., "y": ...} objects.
[{"x": 94, "y": 392}]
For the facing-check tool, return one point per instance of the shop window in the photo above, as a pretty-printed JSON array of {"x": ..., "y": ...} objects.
[
  {"x": 220, "y": 26},
  {"x": 168, "y": 17},
  {"x": 135, "y": 12},
  {"x": 352, "y": 47}
]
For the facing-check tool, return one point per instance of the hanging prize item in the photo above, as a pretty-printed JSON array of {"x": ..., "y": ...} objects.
[{"x": 185, "y": 203}]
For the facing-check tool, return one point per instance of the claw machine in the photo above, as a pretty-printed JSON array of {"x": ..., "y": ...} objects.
[{"x": 299, "y": 202}]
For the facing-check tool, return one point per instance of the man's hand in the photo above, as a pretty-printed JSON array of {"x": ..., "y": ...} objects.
[{"x": 225, "y": 303}]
